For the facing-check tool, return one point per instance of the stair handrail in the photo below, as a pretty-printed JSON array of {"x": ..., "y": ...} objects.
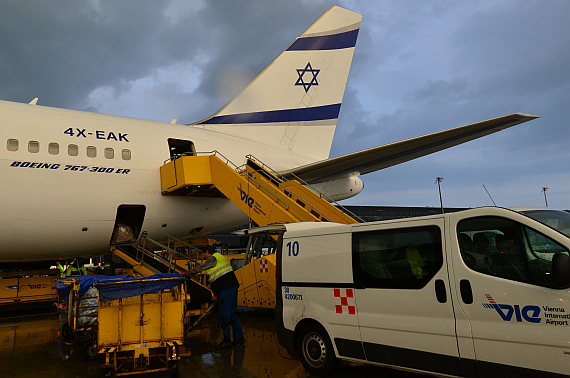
[
  {"x": 199, "y": 254},
  {"x": 277, "y": 199},
  {"x": 170, "y": 237},
  {"x": 289, "y": 190},
  {"x": 143, "y": 249},
  {"x": 265, "y": 166},
  {"x": 328, "y": 199},
  {"x": 281, "y": 178},
  {"x": 304, "y": 183}
]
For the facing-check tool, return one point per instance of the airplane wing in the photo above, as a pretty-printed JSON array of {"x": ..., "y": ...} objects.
[{"x": 376, "y": 158}]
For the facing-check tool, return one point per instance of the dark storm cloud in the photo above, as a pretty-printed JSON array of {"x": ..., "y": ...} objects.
[
  {"x": 61, "y": 51},
  {"x": 247, "y": 36}
]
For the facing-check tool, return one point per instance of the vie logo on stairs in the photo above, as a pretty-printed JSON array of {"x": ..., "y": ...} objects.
[{"x": 246, "y": 198}]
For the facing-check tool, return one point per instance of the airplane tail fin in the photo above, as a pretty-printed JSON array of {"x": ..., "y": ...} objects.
[{"x": 294, "y": 102}]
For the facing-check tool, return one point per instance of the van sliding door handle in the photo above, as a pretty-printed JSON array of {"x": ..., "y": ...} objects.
[
  {"x": 466, "y": 292},
  {"x": 440, "y": 291}
]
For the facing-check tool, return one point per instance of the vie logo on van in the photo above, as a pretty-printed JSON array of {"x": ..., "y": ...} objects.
[
  {"x": 529, "y": 313},
  {"x": 245, "y": 197}
]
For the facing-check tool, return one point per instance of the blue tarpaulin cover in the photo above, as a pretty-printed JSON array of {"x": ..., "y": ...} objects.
[
  {"x": 138, "y": 286},
  {"x": 85, "y": 282},
  {"x": 130, "y": 286}
]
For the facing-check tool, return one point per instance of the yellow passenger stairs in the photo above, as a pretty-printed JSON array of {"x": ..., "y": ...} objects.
[{"x": 260, "y": 193}]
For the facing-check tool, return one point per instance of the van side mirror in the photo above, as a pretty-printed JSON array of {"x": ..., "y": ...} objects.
[{"x": 561, "y": 270}]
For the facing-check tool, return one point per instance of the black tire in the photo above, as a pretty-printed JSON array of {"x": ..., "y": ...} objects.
[
  {"x": 316, "y": 351},
  {"x": 90, "y": 351},
  {"x": 93, "y": 369},
  {"x": 66, "y": 332}
]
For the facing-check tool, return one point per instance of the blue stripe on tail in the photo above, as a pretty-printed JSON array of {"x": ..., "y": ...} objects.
[
  {"x": 317, "y": 113},
  {"x": 327, "y": 42}
]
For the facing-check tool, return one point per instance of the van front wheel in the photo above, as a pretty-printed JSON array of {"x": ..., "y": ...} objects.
[{"x": 316, "y": 351}]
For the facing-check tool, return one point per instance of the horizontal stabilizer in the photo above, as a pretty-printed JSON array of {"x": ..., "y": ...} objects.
[{"x": 376, "y": 158}]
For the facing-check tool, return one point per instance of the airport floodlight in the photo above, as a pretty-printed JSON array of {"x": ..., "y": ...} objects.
[
  {"x": 438, "y": 180},
  {"x": 544, "y": 189}
]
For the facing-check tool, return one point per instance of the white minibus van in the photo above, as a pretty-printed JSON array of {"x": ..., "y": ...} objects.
[{"x": 477, "y": 293}]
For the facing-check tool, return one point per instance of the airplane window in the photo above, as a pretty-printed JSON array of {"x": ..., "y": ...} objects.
[
  {"x": 109, "y": 153},
  {"x": 33, "y": 146},
  {"x": 91, "y": 151},
  {"x": 72, "y": 150},
  {"x": 53, "y": 148},
  {"x": 12, "y": 145},
  {"x": 126, "y": 154}
]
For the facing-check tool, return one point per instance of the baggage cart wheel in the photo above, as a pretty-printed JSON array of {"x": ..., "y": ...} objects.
[
  {"x": 93, "y": 369},
  {"x": 316, "y": 350},
  {"x": 66, "y": 332},
  {"x": 90, "y": 351}
]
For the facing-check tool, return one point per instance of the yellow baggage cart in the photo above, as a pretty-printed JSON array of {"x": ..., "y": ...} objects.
[{"x": 141, "y": 324}]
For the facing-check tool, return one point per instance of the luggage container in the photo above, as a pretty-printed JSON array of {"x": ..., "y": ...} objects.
[{"x": 139, "y": 322}]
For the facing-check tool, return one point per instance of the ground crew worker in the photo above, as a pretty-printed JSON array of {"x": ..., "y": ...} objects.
[
  {"x": 224, "y": 285},
  {"x": 60, "y": 267},
  {"x": 415, "y": 260},
  {"x": 74, "y": 270},
  {"x": 83, "y": 269}
]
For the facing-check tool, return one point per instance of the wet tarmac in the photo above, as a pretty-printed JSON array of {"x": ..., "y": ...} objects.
[{"x": 30, "y": 346}]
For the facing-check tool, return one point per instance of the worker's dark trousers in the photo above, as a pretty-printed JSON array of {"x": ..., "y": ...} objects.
[{"x": 227, "y": 299}]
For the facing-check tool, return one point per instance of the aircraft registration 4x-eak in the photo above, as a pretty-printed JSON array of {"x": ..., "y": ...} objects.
[{"x": 69, "y": 178}]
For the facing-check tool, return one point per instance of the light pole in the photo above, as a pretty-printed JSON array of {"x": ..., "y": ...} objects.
[
  {"x": 544, "y": 189},
  {"x": 438, "y": 180}
]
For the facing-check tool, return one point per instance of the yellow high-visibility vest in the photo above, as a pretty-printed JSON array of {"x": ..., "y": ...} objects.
[{"x": 222, "y": 267}]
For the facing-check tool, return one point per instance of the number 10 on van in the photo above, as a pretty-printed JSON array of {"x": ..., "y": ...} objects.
[{"x": 293, "y": 248}]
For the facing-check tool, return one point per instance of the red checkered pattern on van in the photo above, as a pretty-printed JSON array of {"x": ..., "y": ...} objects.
[{"x": 347, "y": 304}]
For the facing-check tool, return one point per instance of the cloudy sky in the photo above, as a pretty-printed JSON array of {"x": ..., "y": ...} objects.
[{"x": 420, "y": 66}]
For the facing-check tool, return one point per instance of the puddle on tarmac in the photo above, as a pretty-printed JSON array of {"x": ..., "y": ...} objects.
[{"x": 30, "y": 347}]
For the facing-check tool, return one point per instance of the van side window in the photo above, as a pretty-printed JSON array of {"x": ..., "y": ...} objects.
[
  {"x": 397, "y": 259},
  {"x": 503, "y": 248}
]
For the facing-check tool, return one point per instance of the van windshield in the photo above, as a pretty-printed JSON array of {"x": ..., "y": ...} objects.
[{"x": 556, "y": 219}]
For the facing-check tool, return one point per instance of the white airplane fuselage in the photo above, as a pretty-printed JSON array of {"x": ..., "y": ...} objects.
[{"x": 68, "y": 204}]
